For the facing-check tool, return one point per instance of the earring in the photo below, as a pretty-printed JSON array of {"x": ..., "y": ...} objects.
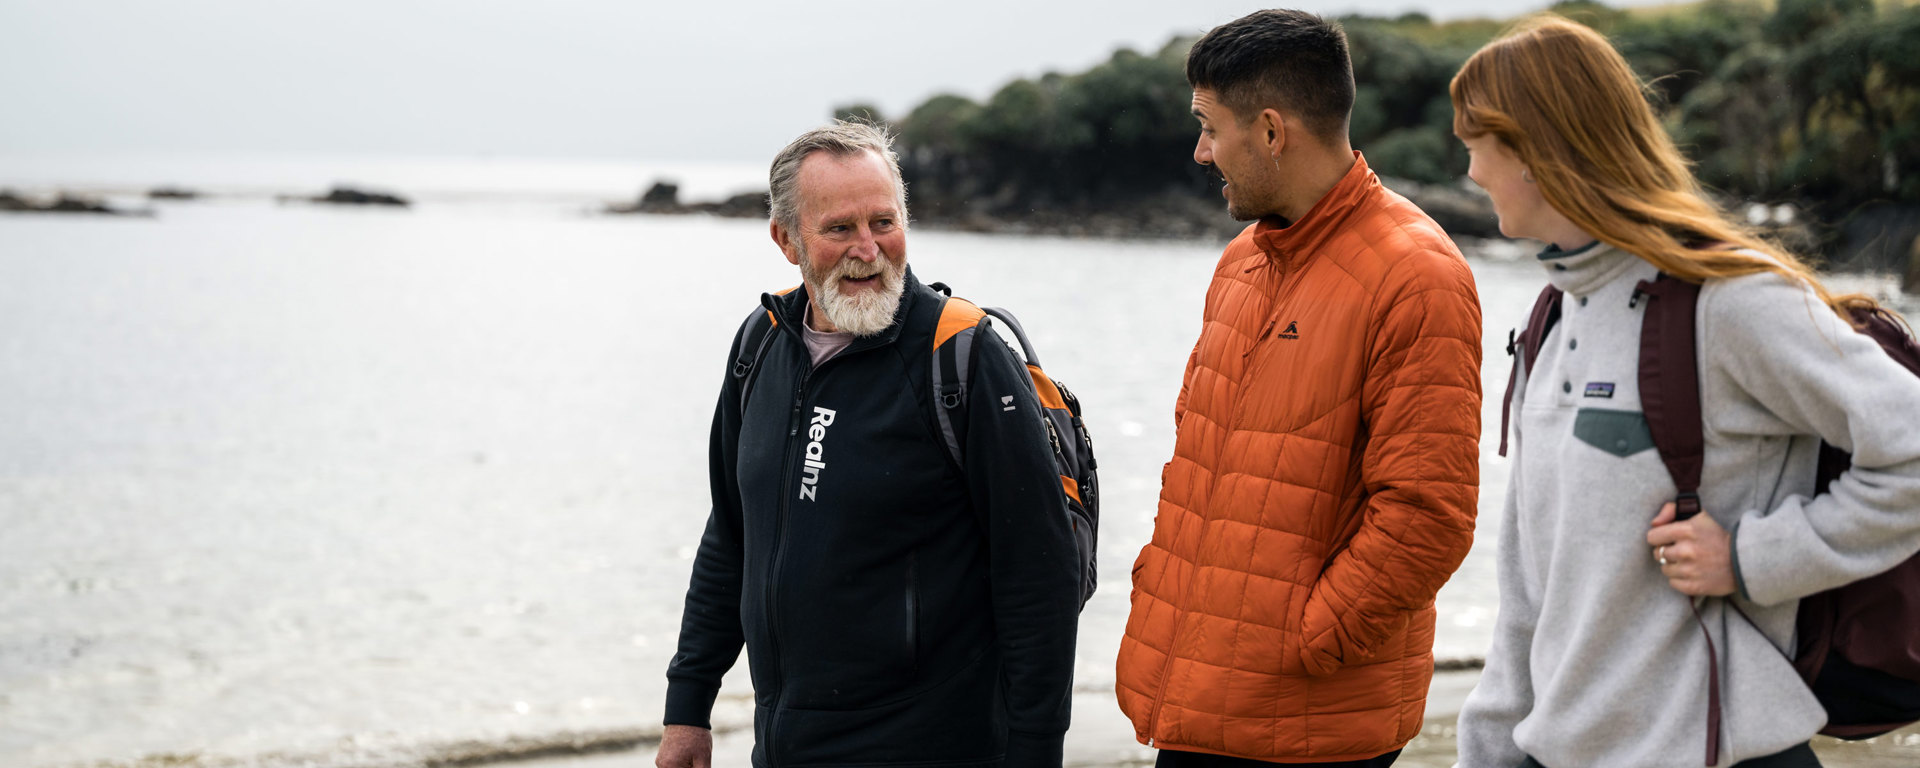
[{"x": 1527, "y": 174}]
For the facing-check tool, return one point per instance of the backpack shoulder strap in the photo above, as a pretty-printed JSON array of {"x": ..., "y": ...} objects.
[
  {"x": 1524, "y": 346},
  {"x": 953, "y": 336},
  {"x": 1026, "y": 347},
  {"x": 754, "y": 339},
  {"x": 1670, "y": 383},
  {"x": 1049, "y": 392}
]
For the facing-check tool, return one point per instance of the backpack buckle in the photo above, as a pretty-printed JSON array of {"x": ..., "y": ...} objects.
[{"x": 1686, "y": 505}]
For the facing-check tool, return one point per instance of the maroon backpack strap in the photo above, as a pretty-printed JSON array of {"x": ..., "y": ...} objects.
[
  {"x": 1525, "y": 348},
  {"x": 1713, "y": 688},
  {"x": 1670, "y": 383},
  {"x": 1670, "y": 396}
]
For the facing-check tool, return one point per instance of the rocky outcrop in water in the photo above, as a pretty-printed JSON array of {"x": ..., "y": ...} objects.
[
  {"x": 348, "y": 196},
  {"x": 1462, "y": 212},
  {"x": 62, "y": 203},
  {"x": 664, "y": 198},
  {"x": 351, "y": 196},
  {"x": 1460, "y": 209}
]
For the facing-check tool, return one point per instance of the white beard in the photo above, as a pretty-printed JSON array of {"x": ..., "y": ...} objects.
[{"x": 865, "y": 314}]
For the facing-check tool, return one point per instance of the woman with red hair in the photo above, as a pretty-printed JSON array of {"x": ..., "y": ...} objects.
[{"x": 1627, "y": 636}]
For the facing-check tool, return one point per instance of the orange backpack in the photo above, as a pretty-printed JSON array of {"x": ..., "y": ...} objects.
[{"x": 960, "y": 321}]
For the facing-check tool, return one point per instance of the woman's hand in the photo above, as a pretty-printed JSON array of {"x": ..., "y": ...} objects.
[{"x": 1694, "y": 554}]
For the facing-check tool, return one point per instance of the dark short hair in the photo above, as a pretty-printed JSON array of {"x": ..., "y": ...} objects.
[{"x": 1289, "y": 60}]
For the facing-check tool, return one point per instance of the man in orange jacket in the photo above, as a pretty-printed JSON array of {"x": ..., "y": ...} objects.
[{"x": 1326, "y": 463}]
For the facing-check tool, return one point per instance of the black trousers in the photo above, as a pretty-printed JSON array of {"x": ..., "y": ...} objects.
[
  {"x": 1175, "y": 759},
  {"x": 1797, "y": 757}
]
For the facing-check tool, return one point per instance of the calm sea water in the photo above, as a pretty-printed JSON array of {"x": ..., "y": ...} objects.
[{"x": 302, "y": 485}]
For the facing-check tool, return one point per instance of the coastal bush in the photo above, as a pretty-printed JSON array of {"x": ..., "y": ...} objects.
[{"x": 1810, "y": 102}]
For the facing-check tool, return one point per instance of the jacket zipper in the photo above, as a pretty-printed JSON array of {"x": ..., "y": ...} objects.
[
  {"x": 1281, "y": 294},
  {"x": 780, "y": 547},
  {"x": 1160, "y": 697},
  {"x": 795, "y": 420},
  {"x": 913, "y": 614}
]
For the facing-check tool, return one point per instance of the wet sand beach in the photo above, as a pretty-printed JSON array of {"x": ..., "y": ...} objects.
[{"x": 1102, "y": 738}]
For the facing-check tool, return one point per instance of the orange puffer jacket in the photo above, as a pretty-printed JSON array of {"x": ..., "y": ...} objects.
[{"x": 1322, "y": 488}]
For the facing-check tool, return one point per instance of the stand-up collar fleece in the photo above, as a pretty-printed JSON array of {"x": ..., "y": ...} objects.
[
  {"x": 1596, "y": 660},
  {"x": 1287, "y": 243}
]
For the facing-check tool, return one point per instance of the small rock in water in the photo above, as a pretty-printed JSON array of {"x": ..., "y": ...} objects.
[{"x": 351, "y": 196}]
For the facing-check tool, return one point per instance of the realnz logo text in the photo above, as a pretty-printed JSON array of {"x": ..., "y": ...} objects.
[{"x": 816, "y": 453}]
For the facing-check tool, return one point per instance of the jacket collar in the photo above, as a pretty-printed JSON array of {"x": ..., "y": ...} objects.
[
  {"x": 1585, "y": 269},
  {"x": 789, "y": 308},
  {"x": 1287, "y": 244}
]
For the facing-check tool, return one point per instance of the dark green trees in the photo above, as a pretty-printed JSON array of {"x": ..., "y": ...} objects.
[{"x": 1815, "y": 102}]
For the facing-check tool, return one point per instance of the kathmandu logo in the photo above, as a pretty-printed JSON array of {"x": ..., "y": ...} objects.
[
  {"x": 1292, "y": 331},
  {"x": 816, "y": 453},
  {"x": 1007, "y": 401}
]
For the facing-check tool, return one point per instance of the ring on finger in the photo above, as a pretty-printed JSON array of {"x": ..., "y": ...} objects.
[{"x": 1660, "y": 554}]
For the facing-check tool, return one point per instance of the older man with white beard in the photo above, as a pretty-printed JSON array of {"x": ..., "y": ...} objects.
[{"x": 898, "y": 607}]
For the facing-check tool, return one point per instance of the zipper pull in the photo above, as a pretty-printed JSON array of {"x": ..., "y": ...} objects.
[{"x": 1264, "y": 333}]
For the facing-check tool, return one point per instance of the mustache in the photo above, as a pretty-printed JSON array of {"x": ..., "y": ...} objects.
[{"x": 856, "y": 269}]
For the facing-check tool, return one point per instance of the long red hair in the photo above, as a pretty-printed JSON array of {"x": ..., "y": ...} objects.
[{"x": 1562, "y": 98}]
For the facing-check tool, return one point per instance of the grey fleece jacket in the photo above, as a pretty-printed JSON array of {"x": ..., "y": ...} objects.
[{"x": 1596, "y": 661}]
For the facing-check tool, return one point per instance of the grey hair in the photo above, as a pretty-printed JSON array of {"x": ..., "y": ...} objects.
[{"x": 843, "y": 138}]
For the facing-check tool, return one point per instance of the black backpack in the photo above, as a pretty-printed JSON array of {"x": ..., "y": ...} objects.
[
  {"x": 1858, "y": 645},
  {"x": 960, "y": 322}
]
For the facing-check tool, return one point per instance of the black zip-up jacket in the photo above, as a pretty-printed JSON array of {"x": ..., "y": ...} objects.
[{"x": 896, "y": 609}]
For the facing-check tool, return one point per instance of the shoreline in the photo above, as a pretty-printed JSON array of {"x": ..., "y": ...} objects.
[
  {"x": 1102, "y": 738},
  {"x": 1869, "y": 246}
]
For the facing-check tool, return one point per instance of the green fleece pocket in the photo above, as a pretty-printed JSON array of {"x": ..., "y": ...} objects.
[{"x": 1621, "y": 433}]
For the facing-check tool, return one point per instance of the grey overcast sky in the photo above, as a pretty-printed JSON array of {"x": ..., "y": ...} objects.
[{"x": 703, "y": 80}]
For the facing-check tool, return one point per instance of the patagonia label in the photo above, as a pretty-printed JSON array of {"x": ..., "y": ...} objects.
[{"x": 1599, "y": 389}]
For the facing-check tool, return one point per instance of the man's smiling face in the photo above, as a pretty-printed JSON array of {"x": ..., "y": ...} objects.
[{"x": 852, "y": 243}]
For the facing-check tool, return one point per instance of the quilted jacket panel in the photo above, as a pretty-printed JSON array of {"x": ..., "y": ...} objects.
[{"x": 1323, "y": 487}]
